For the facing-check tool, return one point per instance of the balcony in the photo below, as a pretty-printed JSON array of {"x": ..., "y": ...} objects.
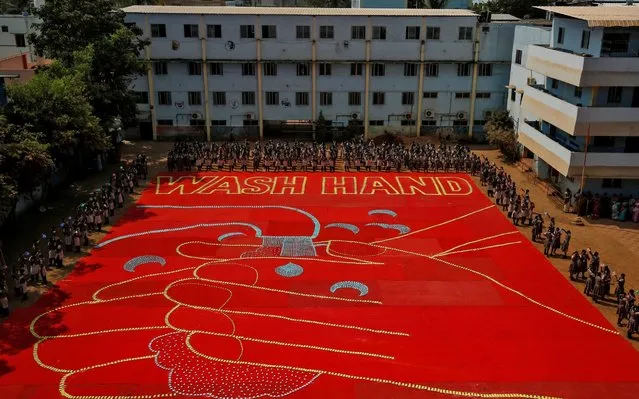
[
  {"x": 583, "y": 70},
  {"x": 600, "y": 165},
  {"x": 576, "y": 120}
]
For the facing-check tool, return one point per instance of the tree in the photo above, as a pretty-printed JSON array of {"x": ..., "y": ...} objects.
[
  {"x": 323, "y": 129},
  {"x": 499, "y": 131},
  {"x": 52, "y": 109},
  {"x": 434, "y": 4},
  {"x": 14, "y": 6},
  {"x": 94, "y": 32},
  {"x": 327, "y": 3},
  {"x": 517, "y": 8}
]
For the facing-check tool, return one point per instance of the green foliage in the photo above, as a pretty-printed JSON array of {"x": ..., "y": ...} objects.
[
  {"x": 500, "y": 132},
  {"x": 323, "y": 131},
  {"x": 434, "y": 4},
  {"x": 388, "y": 138},
  {"x": 517, "y": 8},
  {"x": 327, "y": 3}
]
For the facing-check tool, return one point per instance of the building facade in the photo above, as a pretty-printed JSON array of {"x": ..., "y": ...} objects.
[
  {"x": 407, "y": 71},
  {"x": 574, "y": 94},
  {"x": 14, "y": 30}
]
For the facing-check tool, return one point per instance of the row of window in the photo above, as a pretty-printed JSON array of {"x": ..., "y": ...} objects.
[
  {"x": 304, "y": 32},
  {"x": 301, "y": 98},
  {"x": 373, "y": 122},
  {"x": 325, "y": 69},
  {"x": 585, "y": 37}
]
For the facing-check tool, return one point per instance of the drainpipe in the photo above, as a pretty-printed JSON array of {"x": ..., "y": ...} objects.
[
  {"x": 149, "y": 76},
  {"x": 205, "y": 78},
  {"x": 420, "y": 85},
  {"x": 473, "y": 92},
  {"x": 314, "y": 35},
  {"x": 260, "y": 94},
  {"x": 367, "y": 81}
]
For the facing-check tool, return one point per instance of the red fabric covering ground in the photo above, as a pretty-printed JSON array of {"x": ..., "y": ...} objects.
[{"x": 452, "y": 301}]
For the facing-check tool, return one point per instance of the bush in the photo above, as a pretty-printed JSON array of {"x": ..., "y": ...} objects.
[{"x": 500, "y": 132}]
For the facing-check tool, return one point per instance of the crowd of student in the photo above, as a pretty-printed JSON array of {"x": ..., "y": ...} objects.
[{"x": 48, "y": 251}]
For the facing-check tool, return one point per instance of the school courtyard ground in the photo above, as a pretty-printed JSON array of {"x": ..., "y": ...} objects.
[{"x": 403, "y": 290}]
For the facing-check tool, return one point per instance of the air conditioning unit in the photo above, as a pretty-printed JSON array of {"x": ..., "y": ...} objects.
[
  {"x": 196, "y": 116},
  {"x": 408, "y": 116},
  {"x": 355, "y": 115},
  {"x": 531, "y": 81},
  {"x": 345, "y": 43},
  {"x": 175, "y": 45},
  {"x": 460, "y": 115},
  {"x": 249, "y": 116},
  {"x": 429, "y": 114}
]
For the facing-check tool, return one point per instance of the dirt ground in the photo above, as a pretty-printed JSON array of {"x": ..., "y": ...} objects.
[{"x": 617, "y": 243}]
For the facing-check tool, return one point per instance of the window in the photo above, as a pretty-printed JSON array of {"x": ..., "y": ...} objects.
[
  {"x": 585, "y": 39},
  {"x": 269, "y": 32},
  {"x": 248, "y": 98},
  {"x": 354, "y": 98},
  {"x": 158, "y": 30},
  {"x": 378, "y": 98},
  {"x": 379, "y": 122},
  {"x": 250, "y": 122},
  {"x": 460, "y": 123},
  {"x": 379, "y": 33},
  {"x": 429, "y": 122},
  {"x": 518, "y": 55},
  {"x": 20, "y": 42},
  {"x": 216, "y": 68},
  {"x": 412, "y": 33},
  {"x": 191, "y": 30},
  {"x": 603, "y": 141},
  {"x": 301, "y": 98},
  {"x": 356, "y": 69},
  {"x": 197, "y": 122},
  {"x": 219, "y": 98},
  {"x": 410, "y": 69},
  {"x": 303, "y": 70},
  {"x": 358, "y": 32},
  {"x": 303, "y": 32},
  {"x": 5, "y": 28},
  {"x": 161, "y": 68},
  {"x": 218, "y": 122},
  {"x": 164, "y": 97},
  {"x": 248, "y": 69},
  {"x": 614, "y": 95},
  {"x": 432, "y": 33},
  {"x": 578, "y": 92},
  {"x": 513, "y": 95},
  {"x": 195, "y": 68},
  {"x": 560, "y": 35},
  {"x": 326, "y": 98},
  {"x": 431, "y": 70},
  {"x": 485, "y": 29},
  {"x": 270, "y": 69},
  {"x": 465, "y": 33},
  {"x": 141, "y": 97},
  {"x": 482, "y": 94},
  {"x": 214, "y": 31},
  {"x": 247, "y": 32},
  {"x": 430, "y": 94},
  {"x": 195, "y": 98},
  {"x": 554, "y": 83},
  {"x": 485, "y": 69},
  {"x": 272, "y": 98},
  {"x": 462, "y": 95},
  {"x": 408, "y": 122},
  {"x": 379, "y": 70},
  {"x": 408, "y": 98},
  {"x": 165, "y": 122},
  {"x": 325, "y": 69},
  {"x": 463, "y": 69},
  {"x": 611, "y": 183},
  {"x": 326, "y": 32}
]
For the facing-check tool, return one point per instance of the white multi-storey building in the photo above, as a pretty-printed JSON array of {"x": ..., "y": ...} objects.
[
  {"x": 574, "y": 96},
  {"x": 14, "y": 30},
  {"x": 403, "y": 70}
]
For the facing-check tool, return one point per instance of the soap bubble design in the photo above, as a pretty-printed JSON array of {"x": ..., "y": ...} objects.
[
  {"x": 289, "y": 270},
  {"x": 356, "y": 285},
  {"x": 132, "y": 263}
]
